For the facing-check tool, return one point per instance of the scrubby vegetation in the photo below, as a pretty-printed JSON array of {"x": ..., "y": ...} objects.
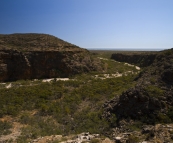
[
  {"x": 34, "y": 41},
  {"x": 73, "y": 105},
  {"x": 65, "y": 107},
  {"x": 4, "y": 128}
]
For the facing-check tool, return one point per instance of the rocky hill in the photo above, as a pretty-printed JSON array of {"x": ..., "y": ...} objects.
[
  {"x": 30, "y": 56},
  {"x": 151, "y": 100},
  {"x": 140, "y": 59}
]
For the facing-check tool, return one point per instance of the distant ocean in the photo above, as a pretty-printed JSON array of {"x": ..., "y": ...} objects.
[{"x": 127, "y": 49}]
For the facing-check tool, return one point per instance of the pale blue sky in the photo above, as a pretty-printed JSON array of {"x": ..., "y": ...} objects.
[{"x": 93, "y": 24}]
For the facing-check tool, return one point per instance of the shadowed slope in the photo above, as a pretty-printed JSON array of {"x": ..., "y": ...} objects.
[{"x": 151, "y": 100}]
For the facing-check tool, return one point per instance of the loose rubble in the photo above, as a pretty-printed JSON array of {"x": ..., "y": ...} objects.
[
  {"x": 160, "y": 133},
  {"x": 83, "y": 137},
  {"x": 51, "y": 79}
]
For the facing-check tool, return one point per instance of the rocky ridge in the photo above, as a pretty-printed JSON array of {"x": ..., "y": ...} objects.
[
  {"x": 29, "y": 56},
  {"x": 140, "y": 59},
  {"x": 151, "y": 100}
]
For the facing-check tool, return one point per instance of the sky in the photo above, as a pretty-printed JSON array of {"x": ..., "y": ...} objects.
[{"x": 93, "y": 24}]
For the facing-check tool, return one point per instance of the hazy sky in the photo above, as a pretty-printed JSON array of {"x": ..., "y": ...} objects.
[{"x": 116, "y": 24}]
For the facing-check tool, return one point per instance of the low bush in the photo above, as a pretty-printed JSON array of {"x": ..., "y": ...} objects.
[
  {"x": 170, "y": 113},
  {"x": 133, "y": 139},
  {"x": 154, "y": 91},
  {"x": 5, "y": 128}
]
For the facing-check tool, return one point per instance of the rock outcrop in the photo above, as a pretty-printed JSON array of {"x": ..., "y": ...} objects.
[
  {"x": 30, "y": 56},
  {"x": 142, "y": 60}
]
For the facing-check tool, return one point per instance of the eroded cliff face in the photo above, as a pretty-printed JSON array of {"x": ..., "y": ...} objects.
[
  {"x": 13, "y": 65},
  {"x": 16, "y": 65},
  {"x": 36, "y": 62},
  {"x": 141, "y": 60}
]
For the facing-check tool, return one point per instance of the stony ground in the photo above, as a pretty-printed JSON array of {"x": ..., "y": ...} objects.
[
  {"x": 159, "y": 133},
  {"x": 15, "y": 130}
]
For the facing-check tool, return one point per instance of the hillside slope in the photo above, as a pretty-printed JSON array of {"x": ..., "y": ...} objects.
[
  {"x": 35, "y": 42},
  {"x": 29, "y": 56},
  {"x": 151, "y": 100}
]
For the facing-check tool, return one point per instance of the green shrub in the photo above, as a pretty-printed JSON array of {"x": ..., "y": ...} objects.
[
  {"x": 5, "y": 128},
  {"x": 163, "y": 118},
  {"x": 135, "y": 126},
  {"x": 170, "y": 113},
  {"x": 154, "y": 91},
  {"x": 113, "y": 120},
  {"x": 133, "y": 139}
]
